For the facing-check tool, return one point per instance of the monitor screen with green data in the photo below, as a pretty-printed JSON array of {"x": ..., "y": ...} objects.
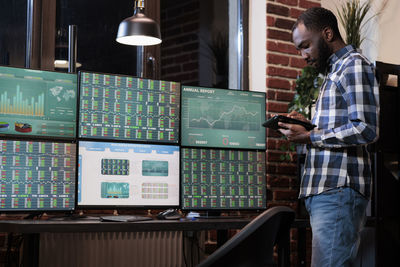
[
  {"x": 120, "y": 107},
  {"x": 222, "y": 118},
  {"x": 37, "y": 176},
  {"x": 37, "y": 103},
  {"x": 222, "y": 179}
]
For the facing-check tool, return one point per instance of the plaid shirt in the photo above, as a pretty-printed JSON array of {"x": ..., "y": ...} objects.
[{"x": 346, "y": 116}]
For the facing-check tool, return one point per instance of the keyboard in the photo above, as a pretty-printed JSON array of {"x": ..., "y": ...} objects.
[{"x": 124, "y": 218}]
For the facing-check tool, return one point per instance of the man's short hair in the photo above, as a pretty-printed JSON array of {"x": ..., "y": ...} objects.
[{"x": 317, "y": 18}]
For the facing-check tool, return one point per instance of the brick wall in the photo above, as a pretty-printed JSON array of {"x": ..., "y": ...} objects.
[
  {"x": 284, "y": 63},
  {"x": 283, "y": 66},
  {"x": 180, "y": 46}
]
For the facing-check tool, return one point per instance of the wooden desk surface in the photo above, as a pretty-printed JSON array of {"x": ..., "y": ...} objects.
[{"x": 95, "y": 225}]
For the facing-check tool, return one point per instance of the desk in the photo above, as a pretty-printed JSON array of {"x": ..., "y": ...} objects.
[{"x": 31, "y": 229}]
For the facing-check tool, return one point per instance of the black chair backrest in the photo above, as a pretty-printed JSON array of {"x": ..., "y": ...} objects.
[{"x": 254, "y": 244}]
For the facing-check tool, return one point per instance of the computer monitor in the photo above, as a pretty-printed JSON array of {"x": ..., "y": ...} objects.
[
  {"x": 222, "y": 118},
  {"x": 126, "y": 108},
  {"x": 117, "y": 175},
  {"x": 37, "y": 103},
  {"x": 220, "y": 179},
  {"x": 37, "y": 176}
]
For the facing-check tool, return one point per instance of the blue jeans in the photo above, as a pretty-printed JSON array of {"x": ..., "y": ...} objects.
[{"x": 336, "y": 217}]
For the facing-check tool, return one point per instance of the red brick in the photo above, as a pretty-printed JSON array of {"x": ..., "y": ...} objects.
[
  {"x": 272, "y": 133},
  {"x": 282, "y": 47},
  {"x": 188, "y": 16},
  {"x": 277, "y": 107},
  {"x": 191, "y": 6},
  {"x": 277, "y": 59},
  {"x": 270, "y": 168},
  {"x": 190, "y": 47},
  {"x": 272, "y": 143},
  {"x": 279, "y": 35},
  {"x": 270, "y": 21},
  {"x": 278, "y": 83},
  {"x": 278, "y": 10},
  {"x": 293, "y": 85},
  {"x": 278, "y": 181},
  {"x": 284, "y": 23},
  {"x": 308, "y": 4},
  {"x": 282, "y": 142},
  {"x": 190, "y": 67},
  {"x": 271, "y": 95},
  {"x": 182, "y": 58},
  {"x": 173, "y": 69},
  {"x": 274, "y": 156},
  {"x": 172, "y": 51},
  {"x": 295, "y": 13},
  {"x": 288, "y": 2},
  {"x": 166, "y": 62},
  {"x": 285, "y": 194},
  {"x": 172, "y": 32},
  {"x": 286, "y": 169},
  {"x": 284, "y": 96},
  {"x": 190, "y": 27},
  {"x": 282, "y": 72},
  {"x": 297, "y": 62}
]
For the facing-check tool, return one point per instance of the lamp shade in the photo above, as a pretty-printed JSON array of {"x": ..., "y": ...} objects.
[{"x": 139, "y": 30}]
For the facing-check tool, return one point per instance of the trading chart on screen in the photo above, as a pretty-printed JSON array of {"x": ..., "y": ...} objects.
[
  {"x": 37, "y": 175},
  {"x": 37, "y": 103},
  {"x": 222, "y": 118},
  {"x": 127, "y": 108},
  {"x": 222, "y": 179}
]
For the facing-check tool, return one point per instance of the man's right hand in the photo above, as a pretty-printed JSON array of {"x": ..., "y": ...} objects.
[{"x": 296, "y": 115}]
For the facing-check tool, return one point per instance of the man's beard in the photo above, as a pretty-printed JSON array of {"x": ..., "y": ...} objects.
[{"x": 324, "y": 52}]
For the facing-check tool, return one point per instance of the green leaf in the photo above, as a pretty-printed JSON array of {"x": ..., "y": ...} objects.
[
  {"x": 307, "y": 90},
  {"x": 352, "y": 15}
]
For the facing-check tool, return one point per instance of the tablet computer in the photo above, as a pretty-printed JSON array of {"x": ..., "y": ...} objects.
[{"x": 272, "y": 123}]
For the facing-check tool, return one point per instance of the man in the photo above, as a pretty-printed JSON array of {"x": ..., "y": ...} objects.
[{"x": 336, "y": 182}]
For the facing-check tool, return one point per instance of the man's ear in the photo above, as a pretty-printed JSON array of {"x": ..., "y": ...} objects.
[{"x": 327, "y": 34}]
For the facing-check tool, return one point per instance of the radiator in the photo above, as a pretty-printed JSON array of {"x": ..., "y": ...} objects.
[{"x": 109, "y": 249}]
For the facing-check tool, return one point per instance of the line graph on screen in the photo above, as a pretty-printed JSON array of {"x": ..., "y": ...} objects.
[{"x": 224, "y": 115}]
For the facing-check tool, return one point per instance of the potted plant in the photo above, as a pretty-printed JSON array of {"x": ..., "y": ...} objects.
[
  {"x": 307, "y": 90},
  {"x": 353, "y": 17}
]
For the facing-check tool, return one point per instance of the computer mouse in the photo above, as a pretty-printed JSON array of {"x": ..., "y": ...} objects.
[{"x": 169, "y": 214}]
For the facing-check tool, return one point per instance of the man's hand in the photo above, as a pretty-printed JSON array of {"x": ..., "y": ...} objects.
[
  {"x": 298, "y": 116},
  {"x": 295, "y": 133}
]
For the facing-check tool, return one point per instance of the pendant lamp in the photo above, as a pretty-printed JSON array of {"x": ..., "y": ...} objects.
[{"x": 139, "y": 30}]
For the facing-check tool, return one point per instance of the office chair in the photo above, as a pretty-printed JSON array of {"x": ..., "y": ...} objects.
[{"x": 254, "y": 244}]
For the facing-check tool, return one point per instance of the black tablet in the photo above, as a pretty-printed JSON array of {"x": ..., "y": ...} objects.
[{"x": 272, "y": 123}]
